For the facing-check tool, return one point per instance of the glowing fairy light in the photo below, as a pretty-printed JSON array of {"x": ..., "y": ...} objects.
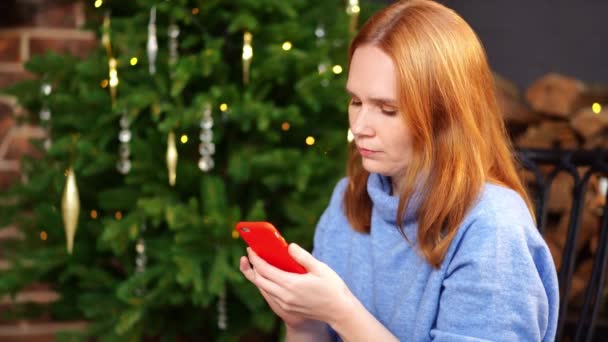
[
  {"x": 349, "y": 136},
  {"x": 596, "y": 107}
]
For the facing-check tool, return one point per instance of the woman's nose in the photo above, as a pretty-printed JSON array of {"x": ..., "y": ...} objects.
[{"x": 361, "y": 124}]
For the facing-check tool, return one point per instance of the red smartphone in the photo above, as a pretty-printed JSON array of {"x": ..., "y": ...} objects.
[{"x": 268, "y": 243}]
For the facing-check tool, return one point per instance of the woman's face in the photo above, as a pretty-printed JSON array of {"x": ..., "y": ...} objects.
[{"x": 382, "y": 138}]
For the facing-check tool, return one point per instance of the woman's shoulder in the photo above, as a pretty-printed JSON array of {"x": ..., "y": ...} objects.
[
  {"x": 500, "y": 220},
  {"x": 503, "y": 261},
  {"x": 500, "y": 223},
  {"x": 498, "y": 205},
  {"x": 499, "y": 230}
]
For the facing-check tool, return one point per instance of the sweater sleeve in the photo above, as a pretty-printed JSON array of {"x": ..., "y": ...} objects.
[{"x": 500, "y": 285}]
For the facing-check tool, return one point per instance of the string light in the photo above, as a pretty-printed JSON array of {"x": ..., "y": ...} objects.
[
  {"x": 353, "y": 7},
  {"x": 171, "y": 157},
  {"x": 287, "y": 46},
  {"x": 596, "y": 107},
  {"x": 93, "y": 214},
  {"x": 247, "y": 55},
  {"x": 322, "y": 68},
  {"x": 310, "y": 141},
  {"x": 43, "y": 235},
  {"x": 349, "y": 136},
  {"x": 223, "y": 107},
  {"x": 113, "y": 73},
  {"x": 133, "y": 61},
  {"x": 104, "y": 83},
  {"x": 285, "y": 126},
  {"x": 105, "y": 36},
  {"x": 235, "y": 234},
  {"x": 247, "y": 49},
  {"x": 603, "y": 186},
  {"x": 337, "y": 69},
  {"x": 98, "y": 3},
  {"x": 118, "y": 215},
  {"x": 183, "y": 139},
  {"x": 195, "y": 11}
]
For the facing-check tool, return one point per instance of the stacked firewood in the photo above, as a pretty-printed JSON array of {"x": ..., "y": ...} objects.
[{"x": 562, "y": 112}]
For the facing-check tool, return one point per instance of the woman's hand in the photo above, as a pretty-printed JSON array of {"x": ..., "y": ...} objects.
[
  {"x": 289, "y": 319},
  {"x": 319, "y": 294}
]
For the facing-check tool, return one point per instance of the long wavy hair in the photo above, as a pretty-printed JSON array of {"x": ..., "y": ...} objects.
[{"x": 446, "y": 96}]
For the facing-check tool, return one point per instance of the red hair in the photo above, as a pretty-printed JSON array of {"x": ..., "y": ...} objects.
[{"x": 446, "y": 97}]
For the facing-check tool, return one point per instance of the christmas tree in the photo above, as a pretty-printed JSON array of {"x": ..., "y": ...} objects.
[{"x": 190, "y": 117}]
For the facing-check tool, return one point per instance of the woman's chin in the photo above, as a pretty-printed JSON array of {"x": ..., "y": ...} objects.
[{"x": 374, "y": 167}]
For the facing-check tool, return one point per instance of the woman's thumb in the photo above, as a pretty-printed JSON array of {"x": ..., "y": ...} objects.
[{"x": 302, "y": 257}]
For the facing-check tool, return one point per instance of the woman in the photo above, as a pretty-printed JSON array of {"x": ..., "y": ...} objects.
[{"x": 431, "y": 236}]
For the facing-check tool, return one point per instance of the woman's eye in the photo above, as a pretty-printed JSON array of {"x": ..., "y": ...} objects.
[
  {"x": 354, "y": 102},
  {"x": 389, "y": 111}
]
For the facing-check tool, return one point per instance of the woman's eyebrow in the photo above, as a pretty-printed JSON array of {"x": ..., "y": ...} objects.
[{"x": 381, "y": 100}]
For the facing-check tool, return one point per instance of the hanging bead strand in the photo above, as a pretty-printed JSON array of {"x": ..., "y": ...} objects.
[
  {"x": 206, "y": 147},
  {"x": 323, "y": 65},
  {"x": 141, "y": 259},
  {"x": 152, "y": 46},
  {"x": 124, "y": 136},
  {"x": 45, "y": 113},
  {"x": 222, "y": 313},
  {"x": 173, "y": 33}
]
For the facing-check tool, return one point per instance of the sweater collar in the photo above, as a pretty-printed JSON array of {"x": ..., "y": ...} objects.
[{"x": 384, "y": 203}]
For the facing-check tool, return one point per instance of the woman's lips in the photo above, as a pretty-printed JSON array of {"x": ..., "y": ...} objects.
[{"x": 365, "y": 152}]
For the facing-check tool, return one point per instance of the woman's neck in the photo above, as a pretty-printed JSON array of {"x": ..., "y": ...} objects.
[{"x": 396, "y": 186}]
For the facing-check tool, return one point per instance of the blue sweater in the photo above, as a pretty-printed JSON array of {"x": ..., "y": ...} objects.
[{"x": 497, "y": 281}]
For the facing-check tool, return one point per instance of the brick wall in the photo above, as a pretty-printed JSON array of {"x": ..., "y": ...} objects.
[
  {"x": 28, "y": 28},
  {"x": 41, "y": 26}
]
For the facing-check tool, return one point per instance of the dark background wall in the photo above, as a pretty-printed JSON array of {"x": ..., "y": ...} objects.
[{"x": 525, "y": 39}]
